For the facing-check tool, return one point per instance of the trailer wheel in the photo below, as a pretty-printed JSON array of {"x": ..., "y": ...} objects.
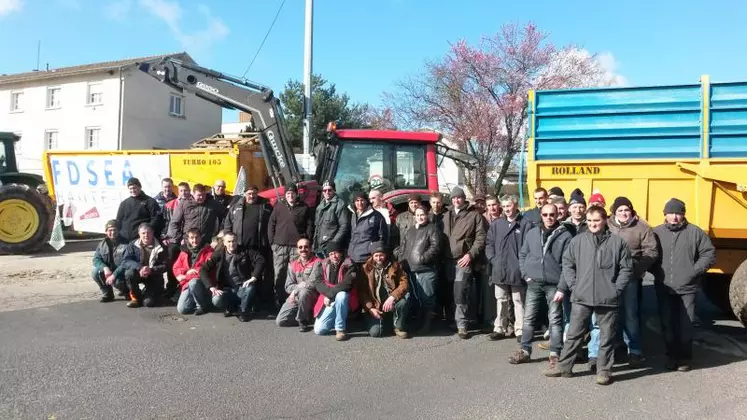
[
  {"x": 25, "y": 219},
  {"x": 738, "y": 293}
]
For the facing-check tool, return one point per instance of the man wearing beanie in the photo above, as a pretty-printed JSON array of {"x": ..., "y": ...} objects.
[
  {"x": 136, "y": 209},
  {"x": 335, "y": 282},
  {"x": 686, "y": 254},
  {"x": 597, "y": 199},
  {"x": 332, "y": 223},
  {"x": 106, "y": 258},
  {"x": 291, "y": 220},
  {"x": 367, "y": 226},
  {"x": 382, "y": 285},
  {"x": 405, "y": 220},
  {"x": 464, "y": 226},
  {"x": 556, "y": 192},
  {"x": 576, "y": 222},
  {"x": 641, "y": 241}
]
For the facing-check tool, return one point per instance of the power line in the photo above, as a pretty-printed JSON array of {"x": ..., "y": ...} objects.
[{"x": 265, "y": 39}]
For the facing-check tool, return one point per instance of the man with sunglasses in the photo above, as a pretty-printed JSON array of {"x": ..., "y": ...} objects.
[
  {"x": 540, "y": 262},
  {"x": 332, "y": 220},
  {"x": 298, "y": 309}
]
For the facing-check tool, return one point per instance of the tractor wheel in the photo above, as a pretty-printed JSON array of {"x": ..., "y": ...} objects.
[
  {"x": 738, "y": 293},
  {"x": 26, "y": 220}
]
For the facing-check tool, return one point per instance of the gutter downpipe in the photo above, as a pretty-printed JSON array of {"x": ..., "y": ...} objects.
[{"x": 121, "y": 106}]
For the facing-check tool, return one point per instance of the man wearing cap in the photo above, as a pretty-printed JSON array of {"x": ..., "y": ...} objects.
[
  {"x": 136, "y": 209},
  {"x": 298, "y": 309},
  {"x": 465, "y": 229},
  {"x": 685, "y": 254},
  {"x": 576, "y": 221},
  {"x": 540, "y": 199},
  {"x": 366, "y": 226},
  {"x": 382, "y": 288},
  {"x": 291, "y": 220},
  {"x": 332, "y": 220},
  {"x": 249, "y": 219},
  {"x": 641, "y": 241},
  {"x": 106, "y": 258},
  {"x": 144, "y": 262},
  {"x": 405, "y": 220},
  {"x": 597, "y": 199},
  {"x": 555, "y": 192},
  {"x": 335, "y": 282}
]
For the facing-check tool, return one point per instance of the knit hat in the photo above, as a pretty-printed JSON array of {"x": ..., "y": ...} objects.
[
  {"x": 556, "y": 191},
  {"x": 329, "y": 183},
  {"x": 134, "y": 181},
  {"x": 413, "y": 197},
  {"x": 597, "y": 198},
  {"x": 291, "y": 187},
  {"x": 334, "y": 246},
  {"x": 458, "y": 192},
  {"x": 110, "y": 223},
  {"x": 674, "y": 206},
  {"x": 621, "y": 201},
  {"x": 577, "y": 197},
  {"x": 378, "y": 247}
]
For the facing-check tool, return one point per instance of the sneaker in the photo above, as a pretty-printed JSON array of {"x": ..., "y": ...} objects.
[
  {"x": 304, "y": 327},
  {"x": 134, "y": 304},
  {"x": 592, "y": 364},
  {"x": 341, "y": 336},
  {"x": 545, "y": 345},
  {"x": 603, "y": 378},
  {"x": 495, "y": 336},
  {"x": 106, "y": 298},
  {"x": 635, "y": 360},
  {"x": 401, "y": 334},
  {"x": 199, "y": 311},
  {"x": 520, "y": 356},
  {"x": 462, "y": 333}
]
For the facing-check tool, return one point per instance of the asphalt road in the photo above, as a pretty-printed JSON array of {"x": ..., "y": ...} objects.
[{"x": 92, "y": 361}]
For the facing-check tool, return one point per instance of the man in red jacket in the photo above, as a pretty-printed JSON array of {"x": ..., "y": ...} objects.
[{"x": 187, "y": 271}]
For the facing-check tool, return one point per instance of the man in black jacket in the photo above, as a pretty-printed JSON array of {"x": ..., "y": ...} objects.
[
  {"x": 136, "y": 209},
  {"x": 540, "y": 262},
  {"x": 596, "y": 268},
  {"x": 199, "y": 213},
  {"x": 685, "y": 254},
  {"x": 332, "y": 220},
  {"x": 540, "y": 199},
  {"x": 291, "y": 220},
  {"x": 234, "y": 278},
  {"x": 503, "y": 242},
  {"x": 248, "y": 219}
]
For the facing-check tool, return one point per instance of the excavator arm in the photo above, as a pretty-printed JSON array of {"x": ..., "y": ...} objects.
[{"x": 233, "y": 93}]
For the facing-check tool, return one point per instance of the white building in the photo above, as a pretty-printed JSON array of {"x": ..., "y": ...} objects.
[{"x": 102, "y": 106}]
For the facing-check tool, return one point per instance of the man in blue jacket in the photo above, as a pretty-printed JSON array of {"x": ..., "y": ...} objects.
[{"x": 367, "y": 226}]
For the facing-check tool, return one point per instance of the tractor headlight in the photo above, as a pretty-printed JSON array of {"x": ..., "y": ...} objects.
[{"x": 42, "y": 188}]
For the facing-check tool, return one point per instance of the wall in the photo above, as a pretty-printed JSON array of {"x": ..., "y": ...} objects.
[
  {"x": 70, "y": 120},
  {"x": 146, "y": 120}
]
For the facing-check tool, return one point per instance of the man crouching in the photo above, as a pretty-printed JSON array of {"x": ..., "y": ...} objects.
[
  {"x": 337, "y": 296},
  {"x": 383, "y": 291},
  {"x": 235, "y": 273},
  {"x": 187, "y": 271},
  {"x": 144, "y": 262},
  {"x": 106, "y": 259}
]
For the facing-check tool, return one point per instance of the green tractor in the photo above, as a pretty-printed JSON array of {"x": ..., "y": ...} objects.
[{"x": 27, "y": 211}]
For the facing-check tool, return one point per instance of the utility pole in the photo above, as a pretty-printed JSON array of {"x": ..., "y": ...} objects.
[{"x": 307, "y": 69}]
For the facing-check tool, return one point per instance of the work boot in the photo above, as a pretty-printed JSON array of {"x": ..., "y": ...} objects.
[
  {"x": 401, "y": 334},
  {"x": 199, "y": 311},
  {"x": 520, "y": 356},
  {"x": 463, "y": 333},
  {"x": 134, "y": 303},
  {"x": 552, "y": 361},
  {"x": 304, "y": 327},
  {"x": 555, "y": 372},
  {"x": 107, "y": 297},
  {"x": 671, "y": 364},
  {"x": 341, "y": 336},
  {"x": 592, "y": 364},
  {"x": 604, "y": 378},
  {"x": 495, "y": 336},
  {"x": 635, "y": 360},
  {"x": 244, "y": 317}
]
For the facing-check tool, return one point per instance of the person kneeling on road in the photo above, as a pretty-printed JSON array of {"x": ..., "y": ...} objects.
[
  {"x": 337, "y": 296},
  {"x": 298, "y": 308},
  {"x": 236, "y": 274},
  {"x": 383, "y": 292},
  {"x": 187, "y": 271},
  {"x": 144, "y": 262},
  {"x": 596, "y": 269},
  {"x": 106, "y": 258}
]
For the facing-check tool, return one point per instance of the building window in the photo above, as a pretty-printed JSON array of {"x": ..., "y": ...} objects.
[
  {"x": 53, "y": 97},
  {"x": 176, "y": 106},
  {"x": 95, "y": 94},
  {"x": 16, "y": 101},
  {"x": 92, "y": 138},
  {"x": 50, "y": 139}
]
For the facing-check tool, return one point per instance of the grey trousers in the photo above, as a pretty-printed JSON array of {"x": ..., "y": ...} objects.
[
  {"x": 461, "y": 280},
  {"x": 301, "y": 311},
  {"x": 281, "y": 256},
  {"x": 580, "y": 321},
  {"x": 677, "y": 313}
]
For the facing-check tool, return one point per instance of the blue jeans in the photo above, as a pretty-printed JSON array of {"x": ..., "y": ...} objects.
[
  {"x": 535, "y": 294},
  {"x": 425, "y": 283},
  {"x": 630, "y": 325},
  {"x": 335, "y": 315},
  {"x": 397, "y": 318},
  {"x": 236, "y": 297}
]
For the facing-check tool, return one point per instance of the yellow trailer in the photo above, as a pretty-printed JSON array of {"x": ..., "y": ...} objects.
[{"x": 651, "y": 144}]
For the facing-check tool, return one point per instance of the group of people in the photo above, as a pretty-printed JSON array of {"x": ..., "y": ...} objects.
[{"x": 564, "y": 265}]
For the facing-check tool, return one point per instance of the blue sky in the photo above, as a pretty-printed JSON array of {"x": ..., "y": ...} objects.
[{"x": 365, "y": 46}]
